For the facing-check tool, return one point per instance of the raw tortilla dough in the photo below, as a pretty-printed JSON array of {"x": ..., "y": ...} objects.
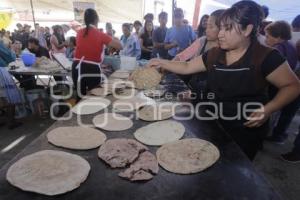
[
  {"x": 160, "y": 133},
  {"x": 130, "y": 104},
  {"x": 126, "y": 93},
  {"x": 120, "y": 152},
  {"x": 144, "y": 168},
  {"x": 187, "y": 156},
  {"x": 109, "y": 87},
  {"x": 91, "y": 106},
  {"x": 112, "y": 122},
  {"x": 154, "y": 93},
  {"x": 156, "y": 112},
  {"x": 78, "y": 138},
  {"x": 48, "y": 172},
  {"x": 101, "y": 92},
  {"x": 114, "y": 86}
]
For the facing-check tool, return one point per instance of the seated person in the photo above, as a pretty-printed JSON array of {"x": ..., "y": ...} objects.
[
  {"x": 16, "y": 47},
  {"x": 6, "y": 55},
  {"x": 130, "y": 43},
  {"x": 35, "y": 48},
  {"x": 71, "y": 47},
  {"x": 9, "y": 97},
  {"x": 28, "y": 82},
  {"x": 39, "y": 51}
]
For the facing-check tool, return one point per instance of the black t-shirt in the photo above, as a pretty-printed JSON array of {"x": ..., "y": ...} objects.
[
  {"x": 41, "y": 52},
  {"x": 159, "y": 35},
  {"x": 47, "y": 38},
  {"x": 147, "y": 42},
  {"x": 271, "y": 62}
]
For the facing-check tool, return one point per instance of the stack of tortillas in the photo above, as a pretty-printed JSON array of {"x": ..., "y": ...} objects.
[
  {"x": 49, "y": 172},
  {"x": 91, "y": 106},
  {"x": 156, "y": 112},
  {"x": 78, "y": 138},
  {"x": 160, "y": 133},
  {"x": 112, "y": 122},
  {"x": 187, "y": 156},
  {"x": 146, "y": 78}
]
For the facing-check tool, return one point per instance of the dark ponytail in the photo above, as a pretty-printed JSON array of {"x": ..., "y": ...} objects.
[{"x": 90, "y": 18}]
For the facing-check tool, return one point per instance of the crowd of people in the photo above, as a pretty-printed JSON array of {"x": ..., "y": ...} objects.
[
  {"x": 57, "y": 39},
  {"x": 235, "y": 53}
]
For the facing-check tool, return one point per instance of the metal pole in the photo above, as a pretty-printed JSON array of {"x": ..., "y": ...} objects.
[
  {"x": 196, "y": 13},
  {"x": 32, "y": 10},
  {"x": 174, "y": 5}
]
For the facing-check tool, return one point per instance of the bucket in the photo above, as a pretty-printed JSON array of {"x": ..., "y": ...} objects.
[
  {"x": 128, "y": 63},
  {"x": 28, "y": 59}
]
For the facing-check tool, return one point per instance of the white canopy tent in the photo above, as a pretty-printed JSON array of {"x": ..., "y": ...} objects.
[
  {"x": 115, "y": 11},
  {"x": 120, "y": 11}
]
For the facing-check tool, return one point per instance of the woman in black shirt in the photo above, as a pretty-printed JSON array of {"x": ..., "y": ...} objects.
[
  {"x": 146, "y": 41},
  {"x": 239, "y": 72}
]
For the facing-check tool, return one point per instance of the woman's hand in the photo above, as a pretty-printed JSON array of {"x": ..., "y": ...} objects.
[
  {"x": 176, "y": 58},
  {"x": 155, "y": 62},
  {"x": 258, "y": 118}
]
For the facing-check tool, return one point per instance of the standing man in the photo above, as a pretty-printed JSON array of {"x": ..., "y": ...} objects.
[
  {"x": 26, "y": 36},
  {"x": 180, "y": 36},
  {"x": 18, "y": 34},
  {"x": 47, "y": 37},
  {"x": 109, "y": 29},
  {"x": 159, "y": 35},
  {"x": 38, "y": 33}
]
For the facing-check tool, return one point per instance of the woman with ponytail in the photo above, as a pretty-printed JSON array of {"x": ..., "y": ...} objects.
[{"x": 89, "y": 53}]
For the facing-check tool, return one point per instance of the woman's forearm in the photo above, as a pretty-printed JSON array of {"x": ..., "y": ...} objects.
[
  {"x": 174, "y": 66},
  {"x": 170, "y": 46},
  {"x": 189, "y": 52},
  {"x": 193, "y": 66},
  {"x": 284, "y": 96}
]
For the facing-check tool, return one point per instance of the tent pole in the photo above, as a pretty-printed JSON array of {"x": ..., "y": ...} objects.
[
  {"x": 32, "y": 10},
  {"x": 174, "y": 5},
  {"x": 196, "y": 13}
]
